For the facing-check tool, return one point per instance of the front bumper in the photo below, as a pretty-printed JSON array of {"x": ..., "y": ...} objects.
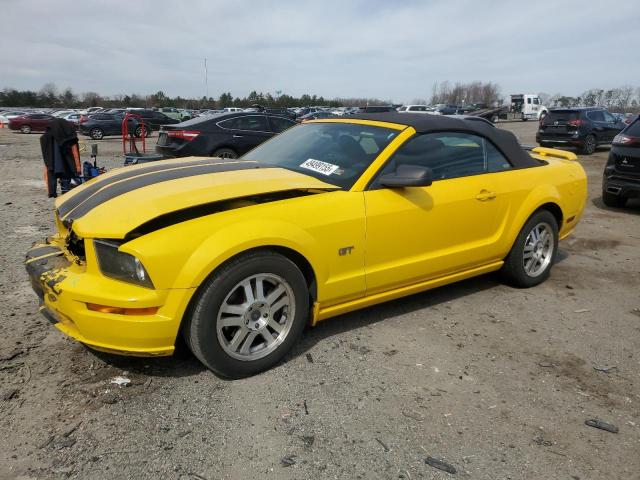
[{"x": 65, "y": 287}]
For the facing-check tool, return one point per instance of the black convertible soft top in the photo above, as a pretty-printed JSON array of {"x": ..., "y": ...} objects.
[{"x": 505, "y": 141}]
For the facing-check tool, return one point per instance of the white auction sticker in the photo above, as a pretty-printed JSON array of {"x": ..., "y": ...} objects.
[{"x": 319, "y": 166}]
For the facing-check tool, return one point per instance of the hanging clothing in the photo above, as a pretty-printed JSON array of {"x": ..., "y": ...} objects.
[{"x": 61, "y": 155}]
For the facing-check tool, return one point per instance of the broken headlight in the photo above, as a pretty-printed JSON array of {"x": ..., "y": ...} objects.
[{"x": 120, "y": 265}]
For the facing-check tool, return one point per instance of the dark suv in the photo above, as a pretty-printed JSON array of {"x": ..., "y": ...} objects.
[
  {"x": 99, "y": 125},
  {"x": 585, "y": 128},
  {"x": 621, "y": 179},
  {"x": 228, "y": 135}
]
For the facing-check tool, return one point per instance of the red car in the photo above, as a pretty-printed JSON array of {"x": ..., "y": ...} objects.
[{"x": 31, "y": 122}]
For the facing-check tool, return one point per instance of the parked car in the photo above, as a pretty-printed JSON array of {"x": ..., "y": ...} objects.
[
  {"x": 585, "y": 128},
  {"x": 315, "y": 116},
  {"x": 377, "y": 109},
  {"x": 155, "y": 119},
  {"x": 73, "y": 117},
  {"x": 175, "y": 113},
  {"x": 30, "y": 122},
  {"x": 238, "y": 257},
  {"x": 100, "y": 125},
  {"x": 227, "y": 135},
  {"x": 445, "y": 109},
  {"x": 621, "y": 178},
  {"x": 414, "y": 109}
]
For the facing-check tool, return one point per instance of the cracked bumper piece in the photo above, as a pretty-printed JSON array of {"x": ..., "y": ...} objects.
[{"x": 66, "y": 288}]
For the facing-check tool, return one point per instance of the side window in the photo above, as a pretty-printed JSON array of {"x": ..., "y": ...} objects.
[
  {"x": 536, "y": 101},
  {"x": 256, "y": 123},
  {"x": 608, "y": 117},
  {"x": 596, "y": 116},
  {"x": 496, "y": 162},
  {"x": 448, "y": 155},
  {"x": 279, "y": 124},
  {"x": 529, "y": 101}
]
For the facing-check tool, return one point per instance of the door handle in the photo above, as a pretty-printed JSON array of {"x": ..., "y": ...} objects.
[
  {"x": 237, "y": 136},
  {"x": 485, "y": 195}
]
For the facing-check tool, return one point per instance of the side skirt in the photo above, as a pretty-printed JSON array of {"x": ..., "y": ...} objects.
[{"x": 320, "y": 313}]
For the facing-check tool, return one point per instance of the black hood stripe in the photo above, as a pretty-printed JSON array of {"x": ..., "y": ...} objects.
[
  {"x": 126, "y": 173},
  {"x": 112, "y": 191}
]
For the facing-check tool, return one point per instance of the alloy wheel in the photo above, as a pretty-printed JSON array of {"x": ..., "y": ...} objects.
[
  {"x": 538, "y": 249},
  {"x": 255, "y": 316}
]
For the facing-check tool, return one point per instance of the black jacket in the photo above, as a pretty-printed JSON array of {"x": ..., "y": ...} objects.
[{"x": 60, "y": 153}]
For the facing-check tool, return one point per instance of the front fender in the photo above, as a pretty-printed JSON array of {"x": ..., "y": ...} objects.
[{"x": 235, "y": 239}]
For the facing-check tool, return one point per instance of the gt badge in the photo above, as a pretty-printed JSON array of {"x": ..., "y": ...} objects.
[{"x": 345, "y": 251}]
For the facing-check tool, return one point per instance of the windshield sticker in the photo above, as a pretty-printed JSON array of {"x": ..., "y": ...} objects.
[{"x": 319, "y": 166}]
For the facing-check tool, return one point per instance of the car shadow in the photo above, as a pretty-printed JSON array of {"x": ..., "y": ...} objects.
[
  {"x": 632, "y": 207},
  {"x": 184, "y": 364}
]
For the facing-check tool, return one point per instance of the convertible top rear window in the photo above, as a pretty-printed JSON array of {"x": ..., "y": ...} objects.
[{"x": 336, "y": 153}]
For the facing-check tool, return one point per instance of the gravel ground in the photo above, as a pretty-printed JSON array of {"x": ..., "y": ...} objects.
[{"x": 494, "y": 381}]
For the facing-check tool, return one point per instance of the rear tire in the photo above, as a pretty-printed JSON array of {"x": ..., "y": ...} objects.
[
  {"x": 533, "y": 253},
  {"x": 96, "y": 133},
  {"x": 589, "y": 145},
  {"x": 225, "y": 153},
  {"x": 611, "y": 200},
  {"x": 25, "y": 129},
  {"x": 248, "y": 315}
]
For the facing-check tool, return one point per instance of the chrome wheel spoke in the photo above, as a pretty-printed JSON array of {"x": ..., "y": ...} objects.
[
  {"x": 246, "y": 346},
  {"x": 260, "y": 288},
  {"x": 248, "y": 291},
  {"x": 275, "y": 294},
  {"x": 275, "y": 308},
  {"x": 234, "y": 309},
  {"x": 275, "y": 325},
  {"x": 235, "y": 321},
  {"x": 238, "y": 337},
  {"x": 268, "y": 337}
]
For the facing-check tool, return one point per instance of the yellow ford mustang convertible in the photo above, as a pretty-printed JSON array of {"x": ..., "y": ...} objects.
[{"x": 238, "y": 256}]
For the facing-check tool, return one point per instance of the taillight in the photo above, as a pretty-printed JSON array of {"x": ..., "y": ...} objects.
[
  {"x": 575, "y": 123},
  {"x": 622, "y": 139},
  {"x": 188, "y": 135}
]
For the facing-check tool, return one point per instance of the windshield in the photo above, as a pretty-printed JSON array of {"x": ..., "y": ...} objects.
[{"x": 336, "y": 153}]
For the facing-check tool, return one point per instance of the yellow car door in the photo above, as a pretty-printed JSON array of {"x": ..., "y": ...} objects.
[{"x": 418, "y": 233}]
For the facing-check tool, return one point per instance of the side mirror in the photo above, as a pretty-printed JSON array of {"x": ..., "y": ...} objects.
[{"x": 408, "y": 176}]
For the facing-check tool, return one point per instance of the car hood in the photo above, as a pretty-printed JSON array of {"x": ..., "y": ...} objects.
[{"x": 116, "y": 203}]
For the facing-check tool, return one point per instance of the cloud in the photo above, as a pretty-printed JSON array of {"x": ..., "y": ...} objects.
[{"x": 387, "y": 49}]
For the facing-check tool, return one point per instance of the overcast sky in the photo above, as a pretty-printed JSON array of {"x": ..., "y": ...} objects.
[{"x": 351, "y": 48}]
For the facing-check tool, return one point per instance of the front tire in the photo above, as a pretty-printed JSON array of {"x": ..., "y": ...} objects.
[
  {"x": 611, "y": 200},
  {"x": 96, "y": 133},
  {"x": 25, "y": 129},
  {"x": 530, "y": 260},
  {"x": 248, "y": 315},
  {"x": 225, "y": 153}
]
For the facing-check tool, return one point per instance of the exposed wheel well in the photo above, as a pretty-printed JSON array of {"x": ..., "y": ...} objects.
[
  {"x": 301, "y": 262},
  {"x": 555, "y": 210}
]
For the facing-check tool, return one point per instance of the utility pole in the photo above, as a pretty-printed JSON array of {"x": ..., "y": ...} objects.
[{"x": 206, "y": 79}]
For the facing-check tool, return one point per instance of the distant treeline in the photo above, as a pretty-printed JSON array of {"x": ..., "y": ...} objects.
[
  {"x": 621, "y": 99},
  {"x": 49, "y": 96}
]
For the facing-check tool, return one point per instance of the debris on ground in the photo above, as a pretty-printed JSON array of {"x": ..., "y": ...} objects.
[
  {"x": 582, "y": 310},
  {"x": 597, "y": 423},
  {"x": 545, "y": 364},
  {"x": 120, "y": 381},
  {"x": 288, "y": 461},
  {"x": 540, "y": 440},
  {"x": 309, "y": 358},
  {"x": 440, "y": 465},
  {"x": 604, "y": 368},
  {"x": 308, "y": 440},
  {"x": 384, "y": 445}
]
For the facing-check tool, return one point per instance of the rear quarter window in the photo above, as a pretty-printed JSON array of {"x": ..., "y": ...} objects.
[
  {"x": 562, "y": 116},
  {"x": 633, "y": 129}
]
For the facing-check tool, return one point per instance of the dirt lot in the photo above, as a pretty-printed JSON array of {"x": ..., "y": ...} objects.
[{"x": 497, "y": 382}]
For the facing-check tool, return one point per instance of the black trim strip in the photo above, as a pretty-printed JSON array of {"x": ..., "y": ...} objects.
[
  {"x": 115, "y": 190},
  {"x": 127, "y": 173},
  {"x": 39, "y": 251}
]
